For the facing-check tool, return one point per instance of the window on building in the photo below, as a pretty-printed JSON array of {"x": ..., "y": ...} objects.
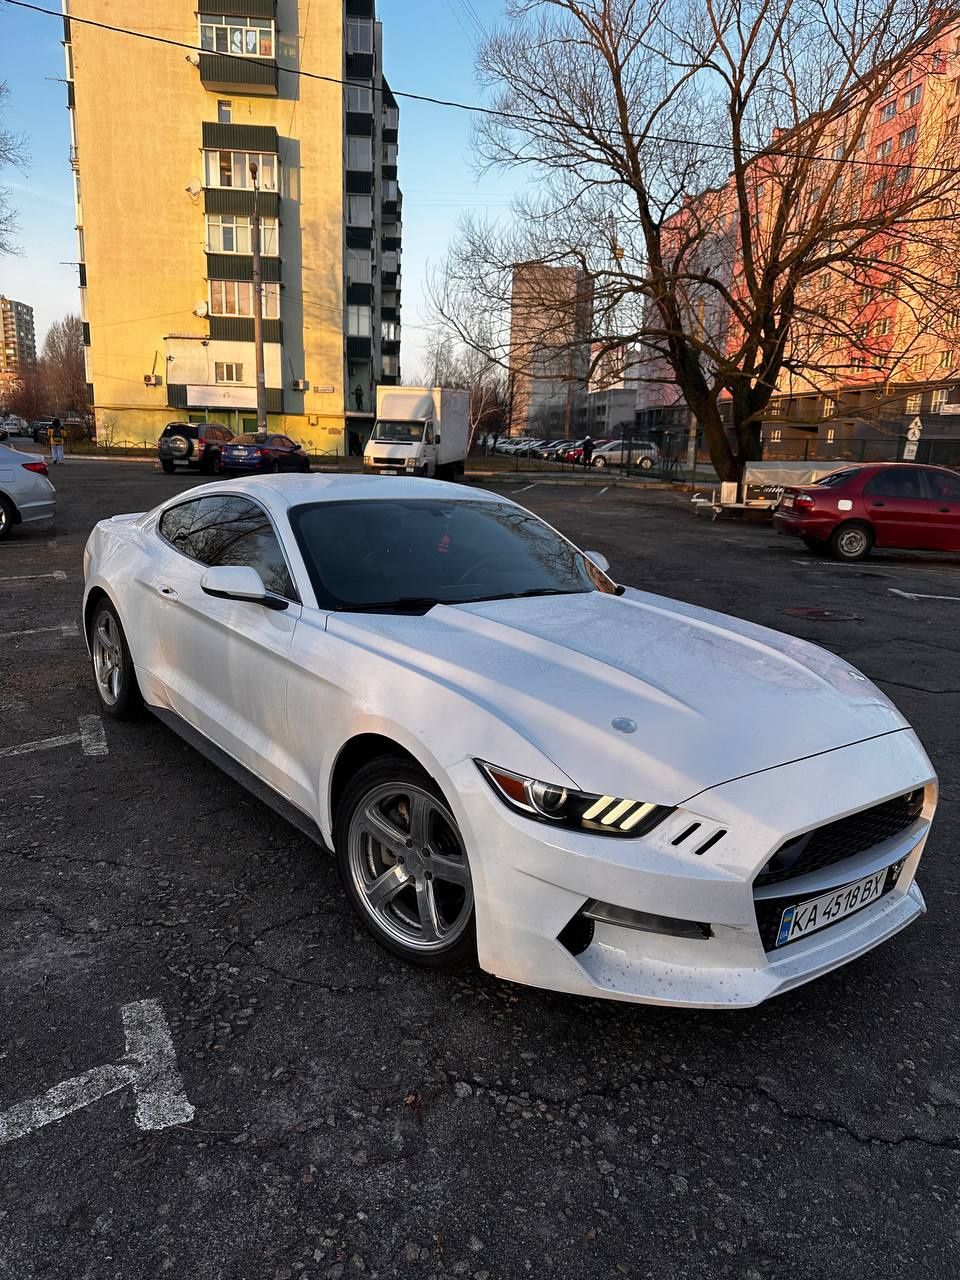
[
  {"x": 224, "y": 111},
  {"x": 883, "y": 148},
  {"x": 359, "y": 322},
  {"x": 902, "y": 176},
  {"x": 878, "y": 187},
  {"x": 235, "y": 298},
  {"x": 907, "y": 138},
  {"x": 912, "y": 403},
  {"x": 244, "y": 37},
  {"x": 391, "y": 118},
  {"x": 359, "y": 35},
  {"x": 83, "y": 256},
  {"x": 857, "y": 362},
  {"x": 882, "y": 327},
  {"x": 951, "y": 320},
  {"x": 888, "y": 111},
  {"x": 391, "y": 366},
  {"x": 389, "y": 190},
  {"x": 359, "y": 211},
  {"x": 227, "y": 371},
  {"x": 894, "y": 252},
  {"x": 838, "y": 151},
  {"x": 360, "y": 98},
  {"x": 920, "y": 363},
  {"x": 937, "y": 399},
  {"x": 390, "y": 153},
  {"x": 912, "y": 98},
  {"x": 231, "y": 233},
  {"x": 390, "y": 261},
  {"x": 776, "y": 435},
  {"x": 946, "y": 359},
  {"x": 359, "y": 153},
  {"x": 831, "y": 434},
  {"x": 359, "y": 266},
  {"x": 390, "y": 331},
  {"x": 232, "y": 169}
]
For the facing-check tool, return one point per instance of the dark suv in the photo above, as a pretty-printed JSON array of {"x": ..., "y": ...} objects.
[{"x": 197, "y": 445}]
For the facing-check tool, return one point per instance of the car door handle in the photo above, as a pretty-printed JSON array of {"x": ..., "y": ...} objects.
[
  {"x": 944, "y": 508},
  {"x": 879, "y": 504},
  {"x": 169, "y": 593}
]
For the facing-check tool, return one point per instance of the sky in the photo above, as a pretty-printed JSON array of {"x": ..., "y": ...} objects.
[{"x": 428, "y": 48}]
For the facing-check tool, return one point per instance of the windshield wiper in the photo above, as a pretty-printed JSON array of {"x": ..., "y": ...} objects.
[
  {"x": 403, "y": 604},
  {"x": 532, "y": 591}
]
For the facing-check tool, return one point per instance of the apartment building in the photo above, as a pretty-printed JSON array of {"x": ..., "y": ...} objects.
[
  {"x": 18, "y": 342},
  {"x": 165, "y": 138},
  {"x": 551, "y": 317}
]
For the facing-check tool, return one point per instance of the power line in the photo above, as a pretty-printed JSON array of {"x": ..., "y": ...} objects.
[{"x": 479, "y": 109}]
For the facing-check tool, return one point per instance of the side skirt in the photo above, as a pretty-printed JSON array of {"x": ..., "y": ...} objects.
[{"x": 241, "y": 774}]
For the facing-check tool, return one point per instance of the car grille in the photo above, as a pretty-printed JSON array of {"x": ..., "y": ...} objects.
[
  {"x": 827, "y": 845},
  {"x": 389, "y": 462}
]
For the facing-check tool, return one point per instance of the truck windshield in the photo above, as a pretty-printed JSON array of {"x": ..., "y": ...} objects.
[{"x": 398, "y": 432}]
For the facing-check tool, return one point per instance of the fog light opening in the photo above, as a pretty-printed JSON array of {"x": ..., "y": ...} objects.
[
  {"x": 577, "y": 934},
  {"x": 645, "y": 921}
]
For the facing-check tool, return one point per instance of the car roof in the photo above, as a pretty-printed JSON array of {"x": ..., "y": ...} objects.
[{"x": 284, "y": 491}]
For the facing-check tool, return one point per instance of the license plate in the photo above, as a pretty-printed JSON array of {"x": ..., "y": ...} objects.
[
  {"x": 385, "y": 471},
  {"x": 787, "y": 500},
  {"x": 802, "y": 918}
]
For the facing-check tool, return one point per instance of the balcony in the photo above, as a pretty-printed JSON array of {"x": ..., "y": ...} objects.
[
  {"x": 237, "y": 200},
  {"x": 240, "y": 329},
  {"x": 240, "y": 8},
  {"x": 239, "y": 266},
  {"x": 230, "y": 73},
  {"x": 260, "y": 138}
]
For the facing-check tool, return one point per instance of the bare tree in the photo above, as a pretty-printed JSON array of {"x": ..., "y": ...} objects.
[
  {"x": 449, "y": 363},
  {"x": 715, "y": 166},
  {"x": 62, "y": 367},
  {"x": 13, "y": 153}
]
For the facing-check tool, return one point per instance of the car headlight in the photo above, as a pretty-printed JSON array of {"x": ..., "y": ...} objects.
[{"x": 579, "y": 810}]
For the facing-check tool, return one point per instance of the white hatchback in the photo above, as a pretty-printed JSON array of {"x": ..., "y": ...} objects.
[{"x": 26, "y": 494}]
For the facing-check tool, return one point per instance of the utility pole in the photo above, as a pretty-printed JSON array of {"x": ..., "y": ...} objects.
[{"x": 258, "y": 304}]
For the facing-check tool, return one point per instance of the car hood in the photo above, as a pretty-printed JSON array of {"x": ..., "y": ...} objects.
[{"x": 711, "y": 697}]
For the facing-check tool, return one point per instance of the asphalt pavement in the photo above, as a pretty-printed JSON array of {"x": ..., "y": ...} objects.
[{"x": 342, "y": 1115}]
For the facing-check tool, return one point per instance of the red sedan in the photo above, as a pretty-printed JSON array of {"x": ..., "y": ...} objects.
[{"x": 886, "y": 504}]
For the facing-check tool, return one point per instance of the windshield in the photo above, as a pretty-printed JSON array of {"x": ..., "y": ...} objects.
[
  {"x": 398, "y": 432},
  {"x": 412, "y": 553}
]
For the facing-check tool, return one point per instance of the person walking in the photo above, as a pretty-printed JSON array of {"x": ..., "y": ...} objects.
[
  {"x": 56, "y": 441},
  {"x": 587, "y": 453}
]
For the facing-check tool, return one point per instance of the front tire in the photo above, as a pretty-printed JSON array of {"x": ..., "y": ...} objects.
[
  {"x": 600, "y": 463},
  {"x": 7, "y": 518},
  {"x": 646, "y": 463},
  {"x": 404, "y": 866},
  {"x": 113, "y": 674},
  {"x": 850, "y": 542}
]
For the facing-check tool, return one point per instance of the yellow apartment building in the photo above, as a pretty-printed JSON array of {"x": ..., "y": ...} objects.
[{"x": 162, "y": 136}]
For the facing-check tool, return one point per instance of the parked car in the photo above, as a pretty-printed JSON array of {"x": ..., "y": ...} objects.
[
  {"x": 548, "y": 450},
  {"x": 11, "y": 425},
  {"x": 382, "y": 657},
  {"x": 253, "y": 452},
  {"x": 884, "y": 504},
  {"x": 198, "y": 446},
  {"x": 40, "y": 430},
  {"x": 26, "y": 494},
  {"x": 617, "y": 453}
]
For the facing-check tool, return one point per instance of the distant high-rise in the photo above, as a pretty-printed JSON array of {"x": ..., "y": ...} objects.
[
  {"x": 18, "y": 351},
  {"x": 551, "y": 316},
  {"x": 163, "y": 142}
]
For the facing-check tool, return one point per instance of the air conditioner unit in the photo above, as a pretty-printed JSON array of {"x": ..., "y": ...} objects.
[
  {"x": 152, "y": 380},
  {"x": 301, "y": 384}
]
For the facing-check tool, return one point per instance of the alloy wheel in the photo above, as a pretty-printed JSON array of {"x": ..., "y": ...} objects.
[
  {"x": 107, "y": 659},
  {"x": 409, "y": 868}
]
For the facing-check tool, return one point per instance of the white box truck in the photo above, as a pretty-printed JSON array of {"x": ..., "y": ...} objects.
[{"x": 420, "y": 431}]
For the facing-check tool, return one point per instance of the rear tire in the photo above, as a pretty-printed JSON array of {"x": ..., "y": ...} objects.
[
  {"x": 114, "y": 677},
  {"x": 851, "y": 541},
  {"x": 393, "y": 829},
  {"x": 167, "y": 466},
  {"x": 600, "y": 463},
  {"x": 7, "y": 518},
  {"x": 646, "y": 463}
]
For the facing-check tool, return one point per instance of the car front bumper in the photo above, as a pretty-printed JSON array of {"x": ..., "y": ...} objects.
[{"x": 531, "y": 880}]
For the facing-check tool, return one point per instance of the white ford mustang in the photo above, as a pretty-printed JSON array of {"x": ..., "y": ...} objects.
[{"x": 584, "y": 786}]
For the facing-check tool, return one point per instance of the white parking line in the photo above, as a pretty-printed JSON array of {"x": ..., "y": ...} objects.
[
  {"x": 149, "y": 1067},
  {"x": 67, "y": 629},
  {"x": 92, "y": 740},
  {"x": 26, "y": 577},
  {"x": 528, "y": 486},
  {"x": 918, "y": 595}
]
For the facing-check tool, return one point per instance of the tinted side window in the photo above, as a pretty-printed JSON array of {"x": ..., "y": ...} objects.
[
  {"x": 942, "y": 485},
  {"x": 175, "y": 525},
  {"x": 236, "y": 531},
  {"x": 894, "y": 483}
]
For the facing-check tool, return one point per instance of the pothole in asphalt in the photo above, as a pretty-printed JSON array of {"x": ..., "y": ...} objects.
[{"x": 822, "y": 615}]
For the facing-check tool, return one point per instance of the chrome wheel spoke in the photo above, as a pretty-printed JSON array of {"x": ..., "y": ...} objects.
[
  {"x": 451, "y": 870},
  {"x": 386, "y": 886},
  {"x": 430, "y": 925},
  {"x": 421, "y": 811},
  {"x": 377, "y": 825}
]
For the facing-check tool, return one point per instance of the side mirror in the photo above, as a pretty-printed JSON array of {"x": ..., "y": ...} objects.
[
  {"x": 239, "y": 582},
  {"x": 436, "y": 439},
  {"x": 599, "y": 559}
]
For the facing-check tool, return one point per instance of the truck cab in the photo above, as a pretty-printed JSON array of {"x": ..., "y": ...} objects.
[
  {"x": 402, "y": 447},
  {"x": 419, "y": 431}
]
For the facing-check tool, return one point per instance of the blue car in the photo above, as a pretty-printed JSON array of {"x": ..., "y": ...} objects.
[{"x": 253, "y": 452}]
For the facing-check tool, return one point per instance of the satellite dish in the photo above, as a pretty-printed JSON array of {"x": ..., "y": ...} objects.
[
  {"x": 201, "y": 309},
  {"x": 193, "y": 59},
  {"x": 194, "y": 188}
]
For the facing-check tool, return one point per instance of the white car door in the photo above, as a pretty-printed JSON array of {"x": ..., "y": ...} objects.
[{"x": 225, "y": 662}]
